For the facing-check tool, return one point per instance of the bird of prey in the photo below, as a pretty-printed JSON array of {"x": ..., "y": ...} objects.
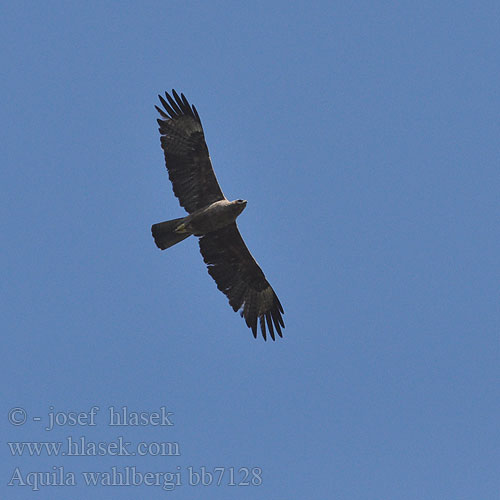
[{"x": 212, "y": 218}]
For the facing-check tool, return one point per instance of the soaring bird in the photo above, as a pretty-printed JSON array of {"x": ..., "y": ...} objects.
[{"x": 212, "y": 218}]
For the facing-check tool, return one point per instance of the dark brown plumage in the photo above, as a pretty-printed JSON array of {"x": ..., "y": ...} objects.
[
  {"x": 186, "y": 154},
  {"x": 213, "y": 218}
]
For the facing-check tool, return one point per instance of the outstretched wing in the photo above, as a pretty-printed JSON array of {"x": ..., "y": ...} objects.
[
  {"x": 241, "y": 279},
  {"x": 186, "y": 154}
]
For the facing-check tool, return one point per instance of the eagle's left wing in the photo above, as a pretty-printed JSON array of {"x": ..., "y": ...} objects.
[
  {"x": 186, "y": 154},
  {"x": 241, "y": 279}
]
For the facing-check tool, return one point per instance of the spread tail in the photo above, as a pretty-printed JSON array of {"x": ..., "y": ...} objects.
[{"x": 165, "y": 235}]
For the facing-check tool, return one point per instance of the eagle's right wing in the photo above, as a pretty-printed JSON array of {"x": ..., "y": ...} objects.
[
  {"x": 186, "y": 154},
  {"x": 240, "y": 278}
]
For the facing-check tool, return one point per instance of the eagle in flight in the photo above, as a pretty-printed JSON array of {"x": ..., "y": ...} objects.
[{"x": 212, "y": 217}]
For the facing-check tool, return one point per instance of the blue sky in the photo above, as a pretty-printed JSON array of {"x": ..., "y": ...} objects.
[{"x": 364, "y": 137}]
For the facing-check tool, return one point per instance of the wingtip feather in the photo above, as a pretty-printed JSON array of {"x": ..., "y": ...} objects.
[
  {"x": 172, "y": 102},
  {"x": 270, "y": 325}
]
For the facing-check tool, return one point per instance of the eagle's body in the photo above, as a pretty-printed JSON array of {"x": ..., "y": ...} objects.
[
  {"x": 212, "y": 218},
  {"x": 216, "y": 216}
]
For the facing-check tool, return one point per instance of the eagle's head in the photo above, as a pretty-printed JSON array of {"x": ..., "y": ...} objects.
[{"x": 239, "y": 206}]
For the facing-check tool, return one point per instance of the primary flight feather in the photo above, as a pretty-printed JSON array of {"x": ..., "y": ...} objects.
[{"x": 212, "y": 218}]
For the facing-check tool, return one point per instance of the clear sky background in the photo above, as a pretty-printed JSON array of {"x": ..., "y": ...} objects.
[{"x": 365, "y": 137}]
